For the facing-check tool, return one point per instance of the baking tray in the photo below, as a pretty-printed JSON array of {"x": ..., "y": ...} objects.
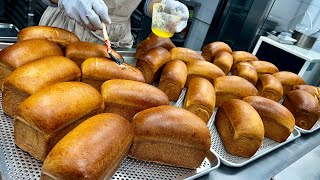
[
  {"x": 8, "y": 32},
  {"x": 267, "y": 146},
  {"x": 17, "y": 164},
  {"x": 314, "y": 128}
]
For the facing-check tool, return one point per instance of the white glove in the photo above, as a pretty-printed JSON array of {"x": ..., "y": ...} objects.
[
  {"x": 180, "y": 9},
  {"x": 88, "y": 13}
]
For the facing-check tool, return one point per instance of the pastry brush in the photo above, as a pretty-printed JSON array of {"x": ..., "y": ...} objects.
[{"x": 108, "y": 45}]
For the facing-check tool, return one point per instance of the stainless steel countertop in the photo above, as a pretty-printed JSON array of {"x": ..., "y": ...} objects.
[{"x": 265, "y": 167}]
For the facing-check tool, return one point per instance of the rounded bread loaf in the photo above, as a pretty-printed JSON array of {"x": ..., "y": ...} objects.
[
  {"x": 153, "y": 41},
  {"x": 232, "y": 87},
  {"x": 185, "y": 54},
  {"x": 288, "y": 80},
  {"x": 80, "y": 51},
  {"x": 278, "y": 121},
  {"x": 209, "y": 51},
  {"x": 170, "y": 135},
  {"x": 127, "y": 97},
  {"x": 242, "y": 56},
  {"x": 200, "y": 98},
  {"x": 269, "y": 87},
  {"x": 304, "y": 107},
  {"x": 246, "y": 71},
  {"x": 240, "y": 127},
  {"x": 203, "y": 69},
  {"x": 173, "y": 79},
  {"x": 264, "y": 67},
  {"x": 95, "y": 71},
  {"x": 224, "y": 61},
  {"x": 314, "y": 91},
  {"x": 151, "y": 63},
  {"x": 60, "y": 36},
  {"x": 93, "y": 150}
]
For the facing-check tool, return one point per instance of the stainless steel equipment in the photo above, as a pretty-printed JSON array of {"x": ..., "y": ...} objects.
[{"x": 303, "y": 40}]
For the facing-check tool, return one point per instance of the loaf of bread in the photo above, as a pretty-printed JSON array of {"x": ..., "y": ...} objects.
[
  {"x": 240, "y": 128},
  {"x": 173, "y": 79},
  {"x": 92, "y": 150},
  {"x": 96, "y": 71},
  {"x": 288, "y": 80},
  {"x": 232, "y": 87},
  {"x": 153, "y": 41},
  {"x": 246, "y": 71},
  {"x": 242, "y": 56},
  {"x": 200, "y": 98},
  {"x": 33, "y": 76},
  {"x": 210, "y": 51},
  {"x": 80, "y": 51},
  {"x": 277, "y": 120},
  {"x": 151, "y": 63},
  {"x": 126, "y": 97},
  {"x": 60, "y": 36},
  {"x": 314, "y": 91},
  {"x": 203, "y": 69},
  {"x": 49, "y": 114},
  {"x": 170, "y": 135},
  {"x": 269, "y": 87},
  {"x": 304, "y": 107},
  {"x": 186, "y": 55},
  {"x": 224, "y": 61},
  {"x": 264, "y": 67},
  {"x": 23, "y": 52}
]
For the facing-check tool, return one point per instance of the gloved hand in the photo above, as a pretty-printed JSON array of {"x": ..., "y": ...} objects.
[
  {"x": 181, "y": 9},
  {"x": 88, "y": 13}
]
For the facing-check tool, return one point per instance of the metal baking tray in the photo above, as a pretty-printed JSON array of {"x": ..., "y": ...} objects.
[
  {"x": 267, "y": 146},
  {"x": 8, "y": 32},
  {"x": 314, "y": 128},
  {"x": 17, "y": 164}
]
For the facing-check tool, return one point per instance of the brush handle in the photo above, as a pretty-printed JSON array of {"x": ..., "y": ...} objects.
[{"x": 104, "y": 31}]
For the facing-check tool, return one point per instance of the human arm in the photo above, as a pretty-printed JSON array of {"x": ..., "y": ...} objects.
[{"x": 88, "y": 13}]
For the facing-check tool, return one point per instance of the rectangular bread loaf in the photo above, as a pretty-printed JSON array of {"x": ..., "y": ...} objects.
[
  {"x": 170, "y": 135},
  {"x": 127, "y": 97},
  {"x": 93, "y": 150},
  {"x": 23, "y": 52},
  {"x": 33, "y": 76},
  {"x": 50, "y": 113}
]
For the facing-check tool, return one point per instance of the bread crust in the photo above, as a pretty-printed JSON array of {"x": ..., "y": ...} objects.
[
  {"x": 224, "y": 61},
  {"x": 288, "y": 80},
  {"x": 270, "y": 87},
  {"x": 185, "y": 54},
  {"x": 246, "y": 71},
  {"x": 210, "y": 51}
]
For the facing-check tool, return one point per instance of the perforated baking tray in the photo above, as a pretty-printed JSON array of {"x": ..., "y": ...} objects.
[
  {"x": 267, "y": 146},
  {"x": 313, "y": 129},
  {"x": 17, "y": 164}
]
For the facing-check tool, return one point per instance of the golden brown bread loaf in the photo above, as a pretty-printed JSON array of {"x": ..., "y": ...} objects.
[
  {"x": 264, "y": 67},
  {"x": 314, "y": 91},
  {"x": 232, "y": 87},
  {"x": 60, "y": 36},
  {"x": 92, "y": 150},
  {"x": 209, "y": 51},
  {"x": 203, "y": 69},
  {"x": 36, "y": 75},
  {"x": 50, "y": 113},
  {"x": 173, "y": 78},
  {"x": 151, "y": 63},
  {"x": 200, "y": 98},
  {"x": 126, "y": 97},
  {"x": 269, "y": 87},
  {"x": 224, "y": 61},
  {"x": 277, "y": 120},
  {"x": 95, "y": 71},
  {"x": 304, "y": 107},
  {"x": 186, "y": 55},
  {"x": 246, "y": 71},
  {"x": 170, "y": 135},
  {"x": 80, "y": 51},
  {"x": 153, "y": 41},
  {"x": 23, "y": 52},
  {"x": 288, "y": 80},
  {"x": 242, "y": 56},
  {"x": 240, "y": 128}
]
